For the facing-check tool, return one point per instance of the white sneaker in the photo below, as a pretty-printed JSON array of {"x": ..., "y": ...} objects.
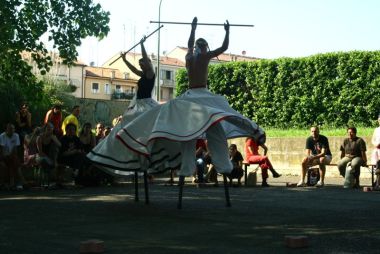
[
  {"x": 320, "y": 183},
  {"x": 301, "y": 184}
]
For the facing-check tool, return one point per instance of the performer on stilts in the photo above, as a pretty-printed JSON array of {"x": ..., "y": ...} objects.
[
  {"x": 110, "y": 154},
  {"x": 167, "y": 134}
]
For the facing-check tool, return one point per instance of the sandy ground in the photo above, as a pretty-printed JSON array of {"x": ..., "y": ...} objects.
[{"x": 335, "y": 220}]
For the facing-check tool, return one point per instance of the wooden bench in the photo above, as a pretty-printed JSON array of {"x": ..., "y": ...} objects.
[
  {"x": 245, "y": 167},
  {"x": 370, "y": 167}
]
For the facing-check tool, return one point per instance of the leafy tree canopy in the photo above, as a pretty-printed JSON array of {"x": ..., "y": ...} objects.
[{"x": 25, "y": 25}]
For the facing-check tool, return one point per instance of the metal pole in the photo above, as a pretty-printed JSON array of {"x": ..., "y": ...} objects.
[
  {"x": 158, "y": 29},
  {"x": 202, "y": 24},
  {"x": 158, "y": 53}
]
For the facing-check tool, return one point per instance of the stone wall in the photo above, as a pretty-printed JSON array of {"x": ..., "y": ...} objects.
[
  {"x": 286, "y": 154},
  {"x": 104, "y": 111}
]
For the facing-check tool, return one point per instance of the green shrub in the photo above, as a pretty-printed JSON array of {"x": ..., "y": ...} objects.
[{"x": 333, "y": 89}]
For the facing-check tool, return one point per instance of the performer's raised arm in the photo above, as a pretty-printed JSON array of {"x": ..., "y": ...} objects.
[
  {"x": 149, "y": 72},
  {"x": 130, "y": 66},
  {"x": 190, "y": 43},
  {"x": 224, "y": 46}
]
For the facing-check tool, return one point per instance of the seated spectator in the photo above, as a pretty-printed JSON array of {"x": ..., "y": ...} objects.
[
  {"x": 377, "y": 173},
  {"x": 54, "y": 115},
  {"x": 71, "y": 153},
  {"x": 48, "y": 146},
  {"x": 106, "y": 131},
  {"x": 30, "y": 147},
  {"x": 117, "y": 120},
  {"x": 317, "y": 153},
  {"x": 23, "y": 126},
  {"x": 87, "y": 138},
  {"x": 99, "y": 132},
  {"x": 375, "y": 159},
  {"x": 237, "y": 163},
  {"x": 252, "y": 156},
  {"x": 23, "y": 122},
  {"x": 10, "y": 163},
  {"x": 73, "y": 119},
  {"x": 212, "y": 174},
  {"x": 353, "y": 156}
]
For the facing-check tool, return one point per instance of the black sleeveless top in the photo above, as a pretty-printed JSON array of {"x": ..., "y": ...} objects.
[
  {"x": 145, "y": 87},
  {"x": 25, "y": 128},
  {"x": 47, "y": 148}
]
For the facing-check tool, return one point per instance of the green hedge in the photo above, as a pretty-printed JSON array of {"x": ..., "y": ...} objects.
[{"x": 333, "y": 89}]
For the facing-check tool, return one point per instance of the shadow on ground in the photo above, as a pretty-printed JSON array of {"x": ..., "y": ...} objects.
[{"x": 336, "y": 220}]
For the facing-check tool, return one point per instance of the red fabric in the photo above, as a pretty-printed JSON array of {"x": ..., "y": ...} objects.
[
  {"x": 255, "y": 149},
  {"x": 200, "y": 144},
  {"x": 263, "y": 162},
  {"x": 56, "y": 120},
  {"x": 255, "y": 158}
]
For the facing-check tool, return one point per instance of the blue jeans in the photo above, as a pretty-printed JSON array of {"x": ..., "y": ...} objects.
[
  {"x": 201, "y": 165},
  {"x": 350, "y": 172}
]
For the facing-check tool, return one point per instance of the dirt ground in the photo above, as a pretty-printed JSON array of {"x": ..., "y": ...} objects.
[{"x": 334, "y": 219}]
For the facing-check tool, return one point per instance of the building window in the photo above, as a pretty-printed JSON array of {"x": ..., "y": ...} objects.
[
  {"x": 95, "y": 88},
  {"x": 119, "y": 89},
  {"x": 107, "y": 89},
  {"x": 167, "y": 75}
]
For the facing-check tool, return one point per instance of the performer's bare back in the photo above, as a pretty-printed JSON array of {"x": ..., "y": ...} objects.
[{"x": 197, "y": 68}]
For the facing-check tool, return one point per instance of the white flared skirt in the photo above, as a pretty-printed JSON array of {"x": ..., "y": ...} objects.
[
  {"x": 110, "y": 154},
  {"x": 158, "y": 133}
]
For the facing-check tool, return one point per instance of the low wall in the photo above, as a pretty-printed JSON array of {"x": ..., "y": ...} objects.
[
  {"x": 286, "y": 154},
  {"x": 95, "y": 111}
]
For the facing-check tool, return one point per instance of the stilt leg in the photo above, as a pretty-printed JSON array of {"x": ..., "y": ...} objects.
[
  {"x": 136, "y": 187},
  {"x": 146, "y": 187},
  {"x": 226, "y": 191},
  {"x": 180, "y": 184}
]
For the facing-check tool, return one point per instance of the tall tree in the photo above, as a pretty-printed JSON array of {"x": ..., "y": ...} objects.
[{"x": 25, "y": 25}]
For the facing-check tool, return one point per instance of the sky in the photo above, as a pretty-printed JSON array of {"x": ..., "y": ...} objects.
[{"x": 282, "y": 28}]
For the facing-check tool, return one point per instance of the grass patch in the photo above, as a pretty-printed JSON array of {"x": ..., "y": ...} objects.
[{"x": 333, "y": 132}]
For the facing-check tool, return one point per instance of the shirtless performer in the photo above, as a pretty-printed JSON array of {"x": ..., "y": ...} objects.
[
  {"x": 167, "y": 134},
  {"x": 197, "y": 60}
]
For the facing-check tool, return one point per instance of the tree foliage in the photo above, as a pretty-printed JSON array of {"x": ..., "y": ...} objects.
[
  {"x": 334, "y": 89},
  {"x": 26, "y": 25}
]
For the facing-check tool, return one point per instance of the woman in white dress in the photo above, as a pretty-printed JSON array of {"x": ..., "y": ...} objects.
[{"x": 110, "y": 154}]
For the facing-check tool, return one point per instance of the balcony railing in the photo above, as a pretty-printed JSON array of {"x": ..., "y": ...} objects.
[{"x": 122, "y": 95}]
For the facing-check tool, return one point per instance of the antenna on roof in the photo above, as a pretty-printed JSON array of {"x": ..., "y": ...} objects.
[{"x": 136, "y": 44}]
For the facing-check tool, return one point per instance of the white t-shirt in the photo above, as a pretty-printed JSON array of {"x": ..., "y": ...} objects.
[
  {"x": 376, "y": 137},
  {"x": 9, "y": 143}
]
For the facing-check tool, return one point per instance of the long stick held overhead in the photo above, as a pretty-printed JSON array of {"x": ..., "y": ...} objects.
[
  {"x": 136, "y": 44},
  {"x": 202, "y": 24}
]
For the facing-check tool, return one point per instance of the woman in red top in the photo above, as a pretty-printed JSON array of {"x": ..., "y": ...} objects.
[
  {"x": 54, "y": 116},
  {"x": 252, "y": 156}
]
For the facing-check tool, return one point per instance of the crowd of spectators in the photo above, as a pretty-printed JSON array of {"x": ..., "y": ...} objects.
[
  {"x": 60, "y": 143},
  {"x": 54, "y": 146}
]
